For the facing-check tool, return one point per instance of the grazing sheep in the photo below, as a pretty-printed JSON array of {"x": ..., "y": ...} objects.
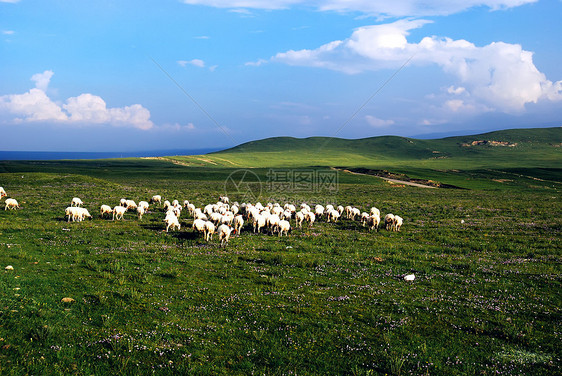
[
  {"x": 354, "y": 213},
  {"x": 238, "y": 223},
  {"x": 144, "y": 205},
  {"x": 319, "y": 210},
  {"x": 227, "y": 218},
  {"x": 284, "y": 227},
  {"x": 375, "y": 211},
  {"x": 175, "y": 203},
  {"x": 259, "y": 222},
  {"x": 389, "y": 221},
  {"x": 157, "y": 199},
  {"x": 373, "y": 222},
  {"x": 224, "y": 232},
  {"x": 190, "y": 208},
  {"x": 340, "y": 209},
  {"x": 185, "y": 203},
  {"x": 224, "y": 199},
  {"x": 167, "y": 204},
  {"x": 409, "y": 277},
  {"x": 130, "y": 205},
  {"x": 364, "y": 218},
  {"x": 118, "y": 212},
  {"x": 123, "y": 202},
  {"x": 11, "y": 204},
  {"x": 397, "y": 223},
  {"x": 69, "y": 213},
  {"x": 209, "y": 230},
  {"x": 198, "y": 225},
  {"x": 273, "y": 223},
  {"x": 215, "y": 218},
  {"x": 299, "y": 218},
  {"x": 2, "y": 192},
  {"x": 333, "y": 215},
  {"x": 140, "y": 212},
  {"x": 76, "y": 202},
  {"x": 83, "y": 213},
  {"x": 105, "y": 209},
  {"x": 172, "y": 222},
  {"x": 348, "y": 211},
  {"x": 310, "y": 217}
]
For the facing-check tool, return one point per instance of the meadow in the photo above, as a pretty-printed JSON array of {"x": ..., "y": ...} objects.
[{"x": 326, "y": 300}]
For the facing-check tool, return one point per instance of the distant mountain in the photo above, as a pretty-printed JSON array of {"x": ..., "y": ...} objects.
[{"x": 536, "y": 147}]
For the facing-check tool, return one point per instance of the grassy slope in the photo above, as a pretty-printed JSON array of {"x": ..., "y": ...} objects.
[
  {"x": 534, "y": 147},
  {"x": 537, "y": 155}
]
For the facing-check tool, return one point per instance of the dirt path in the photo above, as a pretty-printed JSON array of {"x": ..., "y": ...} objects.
[{"x": 395, "y": 181}]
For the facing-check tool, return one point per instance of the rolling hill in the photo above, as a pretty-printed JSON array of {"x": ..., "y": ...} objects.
[{"x": 515, "y": 148}]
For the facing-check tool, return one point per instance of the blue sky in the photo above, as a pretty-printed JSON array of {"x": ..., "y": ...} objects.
[{"x": 145, "y": 75}]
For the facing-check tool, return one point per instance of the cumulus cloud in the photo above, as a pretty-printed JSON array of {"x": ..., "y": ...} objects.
[
  {"x": 195, "y": 62},
  {"x": 396, "y": 8},
  {"x": 378, "y": 123},
  {"x": 35, "y": 105},
  {"x": 499, "y": 75}
]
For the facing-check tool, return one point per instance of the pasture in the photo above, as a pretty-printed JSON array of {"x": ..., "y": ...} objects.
[{"x": 326, "y": 300}]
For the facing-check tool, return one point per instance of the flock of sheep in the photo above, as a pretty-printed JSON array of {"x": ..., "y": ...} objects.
[{"x": 226, "y": 220}]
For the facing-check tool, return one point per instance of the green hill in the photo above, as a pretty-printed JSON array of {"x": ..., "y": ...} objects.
[{"x": 516, "y": 148}]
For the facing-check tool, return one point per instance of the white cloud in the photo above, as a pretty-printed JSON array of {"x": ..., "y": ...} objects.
[
  {"x": 378, "y": 123},
  {"x": 195, "y": 62},
  {"x": 8, "y": 32},
  {"x": 9, "y": 1},
  {"x": 396, "y": 8},
  {"x": 499, "y": 75},
  {"x": 456, "y": 90},
  {"x": 35, "y": 106},
  {"x": 42, "y": 79}
]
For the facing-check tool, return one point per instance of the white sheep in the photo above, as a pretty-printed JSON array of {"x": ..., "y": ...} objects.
[
  {"x": 157, "y": 199},
  {"x": 105, "y": 209},
  {"x": 140, "y": 212},
  {"x": 130, "y": 205},
  {"x": 273, "y": 223},
  {"x": 354, "y": 213},
  {"x": 340, "y": 209},
  {"x": 167, "y": 204},
  {"x": 118, "y": 212},
  {"x": 364, "y": 218},
  {"x": 319, "y": 210},
  {"x": 238, "y": 223},
  {"x": 348, "y": 211},
  {"x": 144, "y": 205},
  {"x": 172, "y": 222},
  {"x": 224, "y": 232},
  {"x": 227, "y": 218},
  {"x": 333, "y": 215},
  {"x": 83, "y": 213},
  {"x": 190, "y": 208},
  {"x": 123, "y": 202},
  {"x": 397, "y": 222},
  {"x": 259, "y": 222},
  {"x": 299, "y": 218},
  {"x": 2, "y": 192},
  {"x": 310, "y": 217},
  {"x": 284, "y": 227},
  {"x": 373, "y": 222},
  {"x": 69, "y": 213},
  {"x": 76, "y": 202},
  {"x": 198, "y": 225},
  {"x": 375, "y": 211},
  {"x": 224, "y": 199},
  {"x": 389, "y": 221},
  {"x": 209, "y": 230},
  {"x": 11, "y": 203},
  {"x": 185, "y": 203}
]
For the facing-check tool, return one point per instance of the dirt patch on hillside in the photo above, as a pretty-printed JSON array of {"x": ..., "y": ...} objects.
[
  {"x": 397, "y": 179},
  {"x": 490, "y": 143}
]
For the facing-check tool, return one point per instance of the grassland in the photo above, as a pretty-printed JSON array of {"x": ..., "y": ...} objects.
[{"x": 327, "y": 300}]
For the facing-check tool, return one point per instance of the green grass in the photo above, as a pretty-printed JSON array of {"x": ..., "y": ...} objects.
[{"x": 327, "y": 300}]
